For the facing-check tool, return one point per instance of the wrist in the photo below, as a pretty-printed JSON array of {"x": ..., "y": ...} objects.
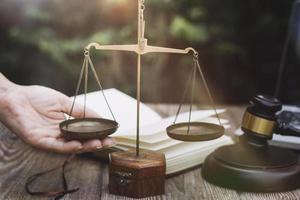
[
  {"x": 5, "y": 84},
  {"x": 6, "y": 87}
]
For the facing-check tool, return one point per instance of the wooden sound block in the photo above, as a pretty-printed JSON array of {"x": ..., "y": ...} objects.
[{"x": 137, "y": 177}]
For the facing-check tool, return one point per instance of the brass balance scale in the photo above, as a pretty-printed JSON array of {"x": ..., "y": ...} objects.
[
  {"x": 88, "y": 128},
  {"x": 125, "y": 165},
  {"x": 138, "y": 173}
]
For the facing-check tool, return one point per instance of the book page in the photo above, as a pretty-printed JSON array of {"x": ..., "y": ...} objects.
[
  {"x": 160, "y": 126},
  {"x": 185, "y": 147},
  {"x": 178, "y": 161},
  {"x": 159, "y": 140},
  {"x": 123, "y": 107}
]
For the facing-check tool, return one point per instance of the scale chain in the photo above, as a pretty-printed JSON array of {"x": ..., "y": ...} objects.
[
  {"x": 84, "y": 71},
  {"x": 85, "y": 86},
  {"x": 100, "y": 86},
  {"x": 192, "y": 77},
  {"x": 78, "y": 86},
  {"x": 184, "y": 94},
  {"x": 141, "y": 32},
  {"x": 192, "y": 97},
  {"x": 196, "y": 62}
]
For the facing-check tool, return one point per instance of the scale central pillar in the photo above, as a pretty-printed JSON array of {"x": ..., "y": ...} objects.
[{"x": 137, "y": 173}]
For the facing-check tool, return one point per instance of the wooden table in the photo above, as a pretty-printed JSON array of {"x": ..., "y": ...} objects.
[{"x": 18, "y": 161}]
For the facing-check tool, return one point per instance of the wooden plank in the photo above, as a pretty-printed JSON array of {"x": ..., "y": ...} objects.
[
  {"x": 192, "y": 186},
  {"x": 87, "y": 174},
  {"x": 293, "y": 195},
  {"x": 18, "y": 161}
]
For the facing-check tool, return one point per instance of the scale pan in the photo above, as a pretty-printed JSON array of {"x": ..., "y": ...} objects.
[
  {"x": 87, "y": 128},
  {"x": 199, "y": 131}
]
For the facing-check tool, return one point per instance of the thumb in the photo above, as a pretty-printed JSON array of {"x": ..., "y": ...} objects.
[{"x": 78, "y": 109}]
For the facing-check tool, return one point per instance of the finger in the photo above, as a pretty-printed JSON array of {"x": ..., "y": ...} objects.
[
  {"x": 108, "y": 142},
  {"x": 97, "y": 144},
  {"x": 78, "y": 109},
  {"x": 92, "y": 145},
  {"x": 59, "y": 145}
]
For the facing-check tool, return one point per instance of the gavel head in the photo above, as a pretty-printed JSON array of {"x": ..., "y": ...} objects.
[{"x": 260, "y": 117}]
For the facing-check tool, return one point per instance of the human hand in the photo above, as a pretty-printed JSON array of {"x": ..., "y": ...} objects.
[{"x": 34, "y": 114}]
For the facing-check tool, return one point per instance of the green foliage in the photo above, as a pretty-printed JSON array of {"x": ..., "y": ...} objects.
[
  {"x": 33, "y": 13},
  {"x": 183, "y": 29},
  {"x": 43, "y": 41},
  {"x": 197, "y": 13},
  {"x": 227, "y": 49}
]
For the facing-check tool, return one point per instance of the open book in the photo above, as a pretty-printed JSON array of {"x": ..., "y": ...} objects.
[{"x": 179, "y": 155}]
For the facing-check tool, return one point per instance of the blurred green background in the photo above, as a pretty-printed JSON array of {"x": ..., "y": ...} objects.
[{"x": 240, "y": 44}]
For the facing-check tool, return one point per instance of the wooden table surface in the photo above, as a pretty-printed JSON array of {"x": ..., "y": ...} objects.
[{"x": 18, "y": 161}]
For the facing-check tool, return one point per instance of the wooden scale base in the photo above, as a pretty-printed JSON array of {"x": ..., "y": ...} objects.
[{"x": 137, "y": 176}]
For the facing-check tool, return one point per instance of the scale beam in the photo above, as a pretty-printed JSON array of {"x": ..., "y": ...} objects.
[
  {"x": 156, "y": 49},
  {"x": 97, "y": 46},
  {"x": 140, "y": 49}
]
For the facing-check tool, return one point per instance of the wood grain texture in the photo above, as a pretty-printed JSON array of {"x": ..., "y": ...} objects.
[
  {"x": 18, "y": 161},
  {"x": 137, "y": 177}
]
